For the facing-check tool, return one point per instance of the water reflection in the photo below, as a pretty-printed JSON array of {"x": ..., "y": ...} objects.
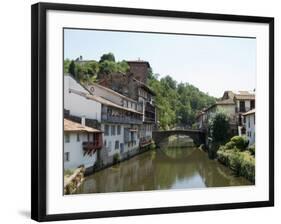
[{"x": 169, "y": 168}]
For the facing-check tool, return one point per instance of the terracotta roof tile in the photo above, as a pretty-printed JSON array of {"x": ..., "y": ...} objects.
[{"x": 70, "y": 126}]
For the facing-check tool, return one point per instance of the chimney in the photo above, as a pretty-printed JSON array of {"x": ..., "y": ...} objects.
[{"x": 83, "y": 120}]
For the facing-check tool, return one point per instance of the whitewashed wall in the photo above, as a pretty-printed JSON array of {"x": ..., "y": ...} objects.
[
  {"x": 110, "y": 139},
  {"x": 228, "y": 109},
  {"x": 250, "y": 120},
  {"x": 115, "y": 98},
  {"x": 76, "y": 153},
  {"x": 128, "y": 148},
  {"x": 79, "y": 105},
  {"x": 99, "y": 91}
]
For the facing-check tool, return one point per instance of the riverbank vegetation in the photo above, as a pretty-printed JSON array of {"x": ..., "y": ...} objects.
[{"x": 239, "y": 157}]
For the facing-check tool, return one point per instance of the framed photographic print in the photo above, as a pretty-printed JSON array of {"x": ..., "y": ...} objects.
[{"x": 140, "y": 111}]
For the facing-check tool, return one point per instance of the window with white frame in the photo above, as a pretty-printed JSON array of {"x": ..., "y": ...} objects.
[{"x": 66, "y": 137}]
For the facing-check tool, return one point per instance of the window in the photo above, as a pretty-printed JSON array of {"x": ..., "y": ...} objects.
[
  {"x": 116, "y": 145},
  {"x": 106, "y": 130},
  {"x": 242, "y": 106},
  {"x": 67, "y": 137},
  {"x": 66, "y": 156},
  {"x": 252, "y": 104},
  {"x": 125, "y": 103},
  {"x": 118, "y": 130},
  {"x": 104, "y": 143},
  {"x": 113, "y": 130},
  {"x": 249, "y": 125},
  {"x": 78, "y": 137}
]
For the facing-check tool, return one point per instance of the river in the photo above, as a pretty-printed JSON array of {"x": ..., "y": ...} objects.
[{"x": 165, "y": 168}]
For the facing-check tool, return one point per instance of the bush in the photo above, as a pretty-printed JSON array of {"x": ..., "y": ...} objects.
[
  {"x": 242, "y": 163},
  {"x": 230, "y": 145},
  {"x": 248, "y": 168},
  {"x": 116, "y": 158},
  {"x": 252, "y": 149},
  {"x": 239, "y": 142},
  {"x": 152, "y": 145}
]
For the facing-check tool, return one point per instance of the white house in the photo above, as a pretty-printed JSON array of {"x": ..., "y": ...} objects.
[
  {"x": 121, "y": 118},
  {"x": 234, "y": 104},
  {"x": 249, "y": 118},
  {"x": 80, "y": 145},
  {"x": 77, "y": 102}
]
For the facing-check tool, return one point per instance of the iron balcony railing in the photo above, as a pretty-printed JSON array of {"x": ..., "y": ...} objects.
[{"x": 125, "y": 119}]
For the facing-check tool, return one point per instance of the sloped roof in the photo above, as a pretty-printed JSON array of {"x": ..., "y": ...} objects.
[
  {"x": 70, "y": 126},
  {"x": 221, "y": 102},
  {"x": 239, "y": 95},
  {"x": 225, "y": 102},
  {"x": 139, "y": 61},
  {"x": 245, "y": 97},
  {"x": 112, "y": 91},
  {"x": 102, "y": 101},
  {"x": 109, "y": 103}
]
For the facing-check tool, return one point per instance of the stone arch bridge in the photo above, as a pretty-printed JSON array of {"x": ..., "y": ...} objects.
[{"x": 198, "y": 136}]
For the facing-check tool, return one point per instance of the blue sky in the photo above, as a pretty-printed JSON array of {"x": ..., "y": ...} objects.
[{"x": 213, "y": 64}]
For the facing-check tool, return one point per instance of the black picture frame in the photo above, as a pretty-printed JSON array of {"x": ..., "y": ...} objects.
[{"x": 38, "y": 108}]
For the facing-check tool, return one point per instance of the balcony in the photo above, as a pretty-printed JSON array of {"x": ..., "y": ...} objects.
[
  {"x": 149, "y": 108},
  {"x": 120, "y": 119},
  {"x": 149, "y": 119},
  {"x": 92, "y": 146}
]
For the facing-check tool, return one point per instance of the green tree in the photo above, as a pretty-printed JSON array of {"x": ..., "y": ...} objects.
[
  {"x": 219, "y": 127},
  {"x": 177, "y": 104},
  {"x": 122, "y": 66},
  {"x": 107, "y": 67},
  {"x": 66, "y": 64},
  {"x": 71, "y": 68},
  {"x": 93, "y": 68},
  {"x": 107, "y": 57}
]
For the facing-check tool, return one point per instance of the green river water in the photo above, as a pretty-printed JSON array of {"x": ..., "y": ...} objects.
[{"x": 164, "y": 168}]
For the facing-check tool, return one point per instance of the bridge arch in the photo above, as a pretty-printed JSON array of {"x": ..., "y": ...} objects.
[{"x": 198, "y": 136}]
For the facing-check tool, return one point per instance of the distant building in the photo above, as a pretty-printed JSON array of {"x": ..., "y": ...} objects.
[
  {"x": 249, "y": 122},
  {"x": 80, "y": 144},
  {"x": 234, "y": 104},
  {"x": 139, "y": 69}
]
